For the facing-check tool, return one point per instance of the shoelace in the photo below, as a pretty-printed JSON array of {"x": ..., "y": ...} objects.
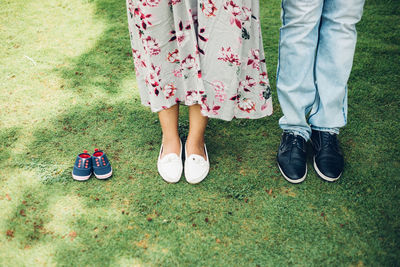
[
  {"x": 328, "y": 139},
  {"x": 293, "y": 139}
]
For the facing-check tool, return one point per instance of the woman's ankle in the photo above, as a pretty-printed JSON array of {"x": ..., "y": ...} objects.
[
  {"x": 195, "y": 145},
  {"x": 171, "y": 144}
]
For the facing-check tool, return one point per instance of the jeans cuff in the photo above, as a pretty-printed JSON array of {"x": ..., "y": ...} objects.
[
  {"x": 325, "y": 129},
  {"x": 295, "y": 132}
]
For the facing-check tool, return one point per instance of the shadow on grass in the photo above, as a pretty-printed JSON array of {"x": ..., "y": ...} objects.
[
  {"x": 26, "y": 224},
  {"x": 110, "y": 60},
  {"x": 137, "y": 217},
  {"x": 8, "y": 137},
  {"x": 130, "y": 134}
]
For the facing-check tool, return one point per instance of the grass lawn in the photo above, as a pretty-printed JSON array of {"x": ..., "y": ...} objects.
[{"x": 67, "y": 84}]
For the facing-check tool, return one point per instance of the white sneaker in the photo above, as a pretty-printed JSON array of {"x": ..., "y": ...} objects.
[
  {"x": 196, "y": 167},
  {"x": 170, "y": 166}
]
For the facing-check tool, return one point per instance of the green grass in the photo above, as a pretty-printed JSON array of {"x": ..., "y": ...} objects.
[{"x": 67, "y": 83}]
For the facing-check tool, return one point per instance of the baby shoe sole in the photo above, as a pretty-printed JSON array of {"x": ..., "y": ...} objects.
[
  {"x": 80, "y": 178},
  {"x": 104, "y": 176}
]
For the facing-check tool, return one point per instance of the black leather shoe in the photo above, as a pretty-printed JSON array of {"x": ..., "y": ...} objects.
[
  {"x": 292, "y": 157},
  {"x": 328, "y": 158}
]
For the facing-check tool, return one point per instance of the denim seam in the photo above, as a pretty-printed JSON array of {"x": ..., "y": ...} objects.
[
  {"x": 326, "y": 129},
  {"x": 280, "y": 38},
  {"x": 301, "y": 134},
  {"x": 343, "y": 103},
  {"x": 315, "y": 61}
]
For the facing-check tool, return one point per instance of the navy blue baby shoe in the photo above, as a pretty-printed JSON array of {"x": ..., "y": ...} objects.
[
  {"x": 101, "y": 166},
  {"x": 83, "y": 167}
]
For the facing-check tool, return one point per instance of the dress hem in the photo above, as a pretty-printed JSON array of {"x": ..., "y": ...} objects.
[{"x": 267, "y": 113}]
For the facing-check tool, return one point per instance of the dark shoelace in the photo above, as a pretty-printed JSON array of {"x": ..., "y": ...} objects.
[
  {"x": 329, "y": 139},
  {"x": 294, "y": 139}
]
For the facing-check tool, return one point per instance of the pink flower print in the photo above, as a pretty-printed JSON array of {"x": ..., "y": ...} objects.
[
  {"x": 177, "y": 72},
  {"x": 246, "y": 105},
  {"x": 235, "y": 11},
  {"x": 153, "y": 78},
  {"x": 219, "y": 90},
  {"x": 208, "y": 8},
  {"x": 205, "y": 108},
  {"x": 192, "y": 97},
  {"x": 228, "y": 55},
  {"x": 173, "y": 56},
  {"x": 246, "y": 13},
  {"x": 189, "y": 62},
  {"x": 169, "y": 90},
  {"x": 254, "y": 59},
  {"x": 201, "y": 38},
  {"x": 137, "y": 59},
  {"x": 152, "y": 3},
  {"x": 215, "y": 109},
  {"x": 235, "y": 98},
  {"x": 247, "y": 84},
  {"x": 151, "y": 46},
  {"x": 131, "y": 8},
  {"x": 264, "y": 78},
  {"x": 181, "y": 34},
  {"x": 173, "y": 2},
  {"x": 264, "y": 106},
  {"x": 137, "y": 12}
]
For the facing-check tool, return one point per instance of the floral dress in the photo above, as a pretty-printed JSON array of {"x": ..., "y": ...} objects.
[{"x": 206, "y": 52}]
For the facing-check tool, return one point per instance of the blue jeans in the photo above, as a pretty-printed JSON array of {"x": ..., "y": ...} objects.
[{"x": 316, "y": 50}]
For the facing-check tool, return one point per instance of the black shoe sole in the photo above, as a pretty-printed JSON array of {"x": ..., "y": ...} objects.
[
  {"x": 297, "y": 181},
  {"x": 321, "y": 175}
]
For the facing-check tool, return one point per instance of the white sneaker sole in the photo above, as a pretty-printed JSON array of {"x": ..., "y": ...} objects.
[
  {"x": 104, "y": 176},
  {"x": 81, "y": 178},
  {"x": 321, "y": 175},
  {"x": 293, "y": 181}
]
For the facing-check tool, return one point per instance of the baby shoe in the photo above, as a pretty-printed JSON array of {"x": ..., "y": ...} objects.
[
  {"x": 83, "y": 167},
  {"x": 101, "y": 166},
  {"x": 196, "y": 167}
]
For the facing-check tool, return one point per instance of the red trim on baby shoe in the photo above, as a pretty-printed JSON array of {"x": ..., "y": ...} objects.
[
  {"x": 96, "y": 149},
  {"x": 84, "y": 156},
  {"x": 98, "y": 154}
]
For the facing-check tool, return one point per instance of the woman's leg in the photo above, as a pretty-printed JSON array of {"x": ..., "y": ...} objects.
[
  {"x": 197, "y": 128},
  {"x": 169, "y": 125}
]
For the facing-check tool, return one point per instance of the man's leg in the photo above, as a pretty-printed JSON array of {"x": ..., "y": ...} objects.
[
  {"x": 335, "y": 52},
  {"x": 297, "y": 49},
  {"x": 295, "y": 82},
  {"x": 337, "y": 41}
]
